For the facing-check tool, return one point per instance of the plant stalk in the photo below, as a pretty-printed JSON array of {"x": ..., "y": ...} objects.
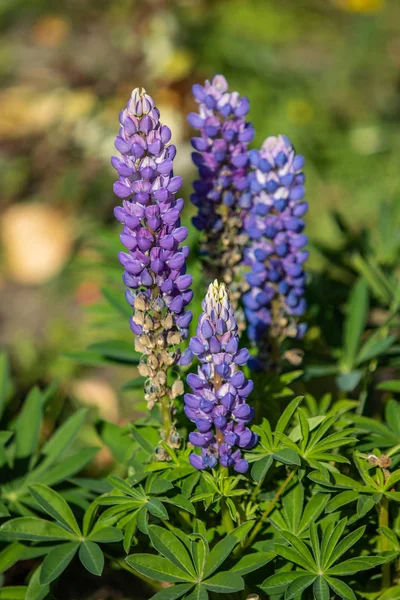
[
  {"x": 166, "y": 417},
  {"x": 269, "y": 509},
  {"x": 384, "y": 542}
]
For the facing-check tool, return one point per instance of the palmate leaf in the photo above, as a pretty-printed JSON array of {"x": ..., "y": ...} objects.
[
  {"x": 279, "y": 582},
  {"x": 198, "y": 593},
  {"x": 298, "y": 586},
  {"x": 158, "y": 568},
  {"x": 34, "y": 529},
  {"x": 341, "y": 588}
]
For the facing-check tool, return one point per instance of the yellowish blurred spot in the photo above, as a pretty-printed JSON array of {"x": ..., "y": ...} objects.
[
  {"x": 36, "y": 240},
  {"x": 50, "y": 31},
  {"x": 362, "y": 6},
  {"x": 299, "y": 112},
  {"x": 179, "y": 65},
  {"x": 97, "y": 393}
]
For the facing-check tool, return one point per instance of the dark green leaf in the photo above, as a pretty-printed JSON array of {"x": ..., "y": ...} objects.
[
  {"x": 62, "y": 439},
  {"x": 57, "y": 561},
  {"x": 224, "y": 582},
  {"x": 252, "y": 562},
  {"x": 287, "y": 456},
  {"x": 157, "y": 567},
  {"x": 279, "y": 582},
  {"x": 105, "y": 535},
  {"x": 261, "y": 468},
  {"x": 298, "y": 586},
  {"x": 35, "y": 590},
  {"x": 321, "y": 589},
  {"x": 55, "y": 506},
  {"x": 169, "y": 546},
  {"x": 355, "y": 322},
  {"x": 91, "y": 557},
  {"x": 174, "y": 592},
  {"x": 341, "y": 588},
  {"x": 33, "y": 529},
  {"x": 28, "y": 424}
]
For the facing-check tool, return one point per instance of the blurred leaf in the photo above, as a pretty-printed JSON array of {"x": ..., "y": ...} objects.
[{"x": 355, "y": 322}]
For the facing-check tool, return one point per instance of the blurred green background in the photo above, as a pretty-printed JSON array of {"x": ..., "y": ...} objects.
[{"x": 325, "y": 72}]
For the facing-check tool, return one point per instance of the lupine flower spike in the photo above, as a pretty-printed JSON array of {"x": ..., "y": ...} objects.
[
  {"x": 276, "y": 251},
  {"x": 218, "y": 401},
  {"x": 155, "y": 271},
  {"x": 221, "y": 155}
]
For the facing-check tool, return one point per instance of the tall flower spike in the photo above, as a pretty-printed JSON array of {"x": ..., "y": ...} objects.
[
  {"x": 220, "y": 193},
  {"x": 218, "y": 402},
  {"x": 276, "y": 251},
  {"x": 155, "y": 270}
]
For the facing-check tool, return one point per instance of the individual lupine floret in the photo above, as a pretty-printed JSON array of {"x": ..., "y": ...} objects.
[
  {"x": 275, "y": 250},
  {"x": 155, "y": 265},
  {"x": 221, "y": 155},
  {"x": 218, "y": 401}
]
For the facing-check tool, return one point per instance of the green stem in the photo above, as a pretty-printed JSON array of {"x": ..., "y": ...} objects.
[
  {"x": 269, "y": 509},
  {"x": 166, "y": 417},
  {"x": 384, "y": 542},
  {"x": 226, "y": 518}
]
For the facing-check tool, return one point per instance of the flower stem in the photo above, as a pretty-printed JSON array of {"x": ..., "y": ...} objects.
[
  {"x": 166, "y": 417},
  {"x": 269, "y": 509},
  {"x": 384, "y": 542}
]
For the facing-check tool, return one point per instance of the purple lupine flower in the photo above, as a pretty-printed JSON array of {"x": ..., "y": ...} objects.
[
  {"x": 276, "y": 249},
  {"x": 218, "y": 401},
  {"x": 155, "y": 265},
  {"x": 220, "y": 194}
]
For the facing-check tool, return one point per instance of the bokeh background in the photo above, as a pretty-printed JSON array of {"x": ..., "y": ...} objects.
[{"x": 325, "y": 72}]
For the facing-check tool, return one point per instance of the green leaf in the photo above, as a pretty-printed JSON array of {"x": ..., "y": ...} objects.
[
  {"x": 143, "y": 443},
  {"x": 35, "y": 590},
  {"x": 293, "y": 506},
  {"x": 346, "y": 543},
  {"x": 105, "y": 535},
  {"x": 300, "y": 546},
  {"x": 28, "y": 424},
  {"x": 298, "y": 586},
  {"x": 160, "y": 486},
  {"x": 346, "y": 382},
  {"x": 224, "y": 547},
  {"x": 157, "y": 567},
  {"x": 199, "y": 593},
  {"x": 199, "y": 548},
  {"x": 116, "y": 350},
  {"x": 341, "y": 499},
  {"x": 372, "y": 349},
  {"x": 389, "y": 386},
  {"x": 331, "y": 536},
  {"x": 353, "y": 565},
  {"x": 181, "y": 502},
  {"x": 224, "y": 583},
  {"x": 157, "y": 509},
  {"x": 55, "y": 506},
  {"x": 62, "y": 439},
  {"x": 134, "y": 384},
  {"x": 312, "y": 510},
  {"x": 5, "y": 381},
  {"x": 321, "y": 589},
  {"x": 388, "y": 533},
  {"x": 341, "y": 588},
  {"x": 17, "y": 592},
  {"x": 117, "y": 301},
  {"x": 261, "y": 468},
  {"x": 91, "y": 557},
  {"x": 57, "y": 561},
  {"x": 169, "y": 546},
  {"x": 355, "y": 322},
  {"x": 33, "y": 529},
  {"x": 287, "y": 414},
  {"x": 174, "y": 592},
  {"x": 68, "y": 467},
  {"x": 252, "y": 562},
  {"x": 293, "y": 556},
  {"x": 287, "y": 456},
  {"x": 277, "y": 583}
]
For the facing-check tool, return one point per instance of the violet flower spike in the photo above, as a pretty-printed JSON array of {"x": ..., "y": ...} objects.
[
  {"x": 276, "y": 249},
  {"x": 218, "y": 401},
  {"x": 155, "y": 265},
  {"x": 221, "y": 192}
]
